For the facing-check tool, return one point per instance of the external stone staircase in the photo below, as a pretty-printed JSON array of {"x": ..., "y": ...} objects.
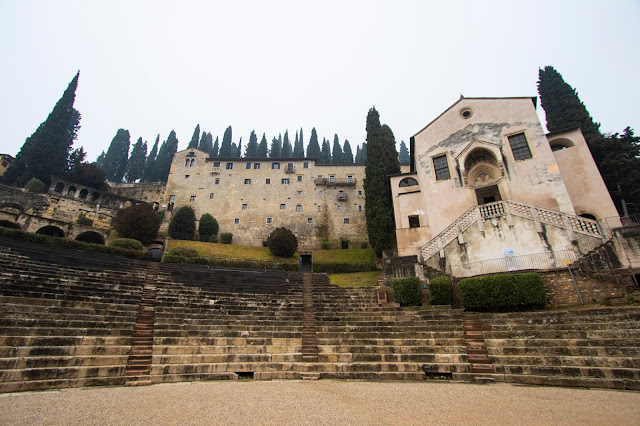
[
  {"x": 309, "y": 334},
  {"x": 478, "y": 214}
]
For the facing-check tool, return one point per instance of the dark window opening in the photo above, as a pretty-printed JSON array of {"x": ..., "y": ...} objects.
[
  {"x": 519, "y": 147},
  {"x": 441, "y": 167},
  {"x": 414, "y": 221},
  {"x": 344, "y": 244}
]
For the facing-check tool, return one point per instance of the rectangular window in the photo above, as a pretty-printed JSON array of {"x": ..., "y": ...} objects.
[
  {"x": 350, "y": 179},
  {"x": 229, "y": 166},
  {"x": 283, "y": 206},
  {"x": 332, "y": 179},
  {"x": 290, "y": 167},
  {"x": 359, "y": 192},
  {"x": 285, "y": 181},
  {"x": 414, "y": 221},
  {"x": 245, "y": 207},
  {"x": 309, "y": 220},
  {"x": 275, "y": 166},
  {"x": 339, "y": 208},
  {"x": 211, "y": 196},
  {"x": 216, "y": 164},
  {"x": 441, "y": 167},
  {"x": 192, "y": 199},
  {"x": 256, "y": 166},
  {"x": 519, "y": 147},
  {"x": 172, "y": 198},
  {"x": 298, "y": 208},
  {"x": 217, "y": 181},
  {"x": 248, "y": 166},
  {"x": 186, "y": 176},
  {"x": 346, "y": 220},
  {"x": 359, "y": 208},
  {"x": 268, "y": 181},
  {"x": 299, "y": 178},
  {"x": 321, "y": 192},
  {"x": 269, "y": 220},
  {"x": 319, "y": 208},
  {"x": 247, "y": 181},
  {"x": 236, "y": 221},
  {"x": 305, "y": 165},
  {"x": 299, "y": 193}
]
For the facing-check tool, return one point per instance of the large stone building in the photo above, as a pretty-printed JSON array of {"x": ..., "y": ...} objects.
[
  {"x": 488, "y": 185},
  {"x": 250, "y": 197}
]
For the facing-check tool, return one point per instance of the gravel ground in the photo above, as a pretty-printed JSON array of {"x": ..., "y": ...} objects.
[{"x": 321, "y": 403}]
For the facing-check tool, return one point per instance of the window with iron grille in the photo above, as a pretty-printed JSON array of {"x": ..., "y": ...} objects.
[
  {"x": 519, "y": 147},
  {"x": 441, "y": 167},
  {"x": 414, "y": 222}
]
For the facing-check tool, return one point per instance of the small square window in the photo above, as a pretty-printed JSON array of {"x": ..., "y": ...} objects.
[
  {"x": 305, "y": 165},
  {"x": 256, "y": 166},
  {"x": 247, "y": 181},
  {"x": 283, "y": 206},
  {"x": 248, "y": 166},
  {"x": 236, "y": 221},
  {"x": 211, "y": 196},
  {"x": 519, "y": 147},
  {"x": 319, "y": 208},
  {"x": 339, "y": 208},
  {"x": 285, "y": 181},
  {"x": 414, "y": 221},
  {"x": 441, "y": 167},
  {"x": 245, "y": 207},
  {"x": 216, "y": 164},
  {"x": 217, "y": 181},
  {"x": 186, "y": 176},
  {"x": 269, "y": 220},
  {"x": 299, "y": 178},
  {"x": 321, "y": 192},
  {"x": 275, "y": 166},
  {"x": 229, "y": 166},
  {"x": 298, "y": 208},
  {"x": 268, "y": 181},
  {"x": 192, "y": 199},
  {"x": 172, "y": 198},
  {"x": 346, "y": 220},
  {"x": 309, "y": 220},
  {"x": 299, "y": 193}
]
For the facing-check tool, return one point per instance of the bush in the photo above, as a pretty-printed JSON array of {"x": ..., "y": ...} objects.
[
  {"x": 35, "y": 186},
  {"x": 326, "y": 245},
  {"x": 364, "y": 245},
  {"x": 85, "y": 221},
  {"x": 503, "y": 293},
  {"x": 282, "y": 242},
  {"x": 213, "y": 238},
  {"x": 440, "y": 291},
  {"x": 184, "y": 252},
  {"x": 207, "y": 227},
  {"x": 183, "y": 224},
  {"x": 126, "y": 243},
  {"x": 138, "y": 222},
  {"x": 232, "y": 263},
  {"x": 406, "y": 291},
  {"x": 226, "y": 238}
]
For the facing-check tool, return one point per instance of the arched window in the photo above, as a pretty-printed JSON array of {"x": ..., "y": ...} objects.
[
  {"x": 59, "y": 187},
  {"x": 83, "y": 193},
  {"x": 71, "y": 192},
  {"x": 407, "y": 182},
  {"x": 192, "y": 161}
]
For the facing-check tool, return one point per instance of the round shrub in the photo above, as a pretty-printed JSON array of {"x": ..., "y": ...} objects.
[
  {"x": 184, "y": 252},
  {"x": 126, "y": 243},
  {"x": 282, "y": 242},
  {"x": 207, "y": 227},
  {"x": 406, "y": 291},
  {"x": 213, "y": 238},
  {"x": 34, "y": 185},
  {"x": 139, "y": 222},
  {"x": 183, "y": 224},
  {"x": 226, "y": 238},
  {"x": 440, "y": 291}
]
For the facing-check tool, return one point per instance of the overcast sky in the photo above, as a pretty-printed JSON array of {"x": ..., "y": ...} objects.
[{"x": 269, "y": 66}]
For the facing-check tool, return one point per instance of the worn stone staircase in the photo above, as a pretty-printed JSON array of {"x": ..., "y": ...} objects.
[
  {"x": 309, "y": 339},
  {"x": 481, "y": 365}
]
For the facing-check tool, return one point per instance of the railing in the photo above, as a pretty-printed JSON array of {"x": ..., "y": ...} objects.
[
  {"x": 215, "y": 171},
  {"x": 548, "y": 260},
  {"x": 335, "y": 181},
  {"x": 342, "y": 196},
  {"x": 503, "y": 208},
  {"x": 618, "y": 222},
  {"x": 291, "y": 168}
]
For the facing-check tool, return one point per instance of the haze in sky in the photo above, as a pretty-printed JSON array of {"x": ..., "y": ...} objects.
[{"x": 154, "y": 66}]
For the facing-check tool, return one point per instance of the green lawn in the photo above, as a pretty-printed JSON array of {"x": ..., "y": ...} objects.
[
  {"x": 231, "y": 251},
  {"x": 356, "y": 279},
  {"x": 344, "y": 256}
]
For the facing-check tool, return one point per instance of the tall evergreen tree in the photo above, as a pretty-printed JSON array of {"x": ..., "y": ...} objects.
[
  {"x": 336, "y": 156},
  {"x": 263, "y": 149},
  {"x": 100, "y": 159},
  {"x": 403, "y": 155},
  {"x": 276, "y": 147},
  {"x": 252, "y": 147},
  {"x": 193, "y": 143},
  {"x": 363, "y": 152},
  {"x": 382, "y": 160},
  {"x": 286, "y": 146},
  {"x": 298, "y": 147},
  {"x": 206, "y": 142},
  {"x": 165, "y": 156},
  {"x": 215, "y": 151},
  {"x": 237, "y": 152},
  {"x": 115, "y": 160},
  {"x": 313, "y": 149},
  {"x": 76, "y": 157},
  {"x": 149, "y": 168},
  {"x": 325, "y": 154},
  {"x": 137, "y": 159},
  {"x": 225, "y": 147},
  {"x": 46, "y": 152},
  {"x": 347, "y": 154}
]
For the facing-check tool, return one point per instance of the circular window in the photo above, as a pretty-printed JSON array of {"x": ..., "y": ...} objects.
[{"x": 466, "y": 113}]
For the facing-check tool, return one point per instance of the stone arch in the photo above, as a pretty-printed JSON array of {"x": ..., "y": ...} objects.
[
  {"x": 408, "y": 181},
  {"x": 588, "y": 215},
  {"x": 84, "y": 192},
  {"x": 91, "y": 237},
  {"x": 51, "y": 230},
  {"x": 95, "y": 195},
  {"x": 561, "y": 143},
  {"x": 71, "y": 192},
  {"x": 59, "y": 187},
  {"x": 8, "y": 224},
  {"x": 10, "y": 204}
]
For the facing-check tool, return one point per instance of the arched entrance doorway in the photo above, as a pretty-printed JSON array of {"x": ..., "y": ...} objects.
[
  {"x": 51, "y": 230},
  {"x": 7, "y": 224},
  {"x": 483, "y": 172},
  {"x": 91, "y": 237}
]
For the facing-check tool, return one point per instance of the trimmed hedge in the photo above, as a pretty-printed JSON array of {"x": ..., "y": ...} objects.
[
  {"x": 440, "y": 291},
  {"x": 344, "y": 268},
  {"x": 226, "y": 238},
  {"x": 406, "y": 291},
  {"x": 126, "y": 243},
  {"x": 16, "y": 234},
  {"x": 231, "y": 263},
  {"x": 184, "y": 252},
  {"x": 503, "y": 293}
]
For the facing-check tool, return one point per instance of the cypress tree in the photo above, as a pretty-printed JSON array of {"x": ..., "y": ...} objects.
[
  {"x": 298, "y": 147},
  {"x": 100, "y": 159},
  {"x": 149, "y": 168},
  {"x": 276, "y": 147},
  {"x": 193, "y": 143},
  {"x": 286, "y": 146},
  {"x": 137, "y": 159},
  {"x": 336, "y": 157},
  {"x": 347, "y": 154},
  {"x": 76, "y": 157},
  {"x": 263, "y": 150},
  {"x": 381, "y": 161},
  {"x": 313, "y": 149},
  {"x": 214, "y": 151},
  {"x": 403, "y": 155},
  {"x": 46, "y": 152},
  {"x": 115, "y": 160},
  {"x": 165, "y": 156},
  {"x": 225, "y": 147},
  {"x": 325, "y": 154},
  {"x": 206, "y": 142},
  {"x": 252, "y": 147},
  {"x": 238, "y": 150}
]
